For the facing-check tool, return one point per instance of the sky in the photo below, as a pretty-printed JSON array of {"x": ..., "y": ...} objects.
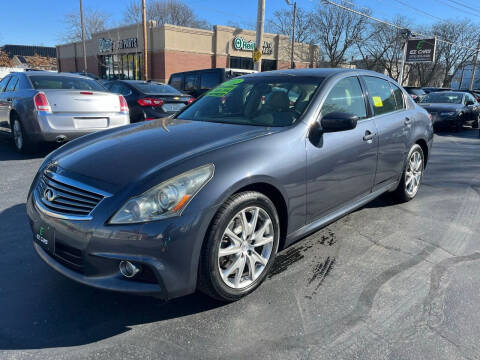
[{"x": 41, "y": 22}]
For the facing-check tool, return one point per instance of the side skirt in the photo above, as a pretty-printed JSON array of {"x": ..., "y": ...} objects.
[{"x": 335, "y": 215}]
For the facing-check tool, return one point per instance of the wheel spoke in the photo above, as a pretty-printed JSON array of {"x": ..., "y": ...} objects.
[
  {"x": 245, "y": 225},
  {"x": 229, "y": 250},
  {"x": 263, "y": 241},
  {"x": 253, "y": 223},
  {"x": 228, "y": 271},
  {"x": 240, "y": 269},
  {"x": 409, "y": 180},
  {"x": 259, "y": 258},
  {"x": 251, "y": 268},
  {"x": 259, "y": 234},
  {"x": 233, "y": 237}
]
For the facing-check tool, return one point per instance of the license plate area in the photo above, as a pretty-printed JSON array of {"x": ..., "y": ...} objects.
[
  {"x": 44, "y": 236},
  {"x": 90, "y": 122},
  {"x": 173, "y": 107}
]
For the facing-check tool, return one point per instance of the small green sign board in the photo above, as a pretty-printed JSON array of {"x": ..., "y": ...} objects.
[{"x": 224, "y": 88}]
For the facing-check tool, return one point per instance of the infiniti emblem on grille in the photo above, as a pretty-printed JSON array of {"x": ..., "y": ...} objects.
[{"x": 49, "y": 194}]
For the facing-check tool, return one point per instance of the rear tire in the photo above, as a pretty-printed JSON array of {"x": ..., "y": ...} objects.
[
  {"x": 412, "y": 175},
  {"x": 21, "y": 139},
  {"x": 233, "y": 261}
]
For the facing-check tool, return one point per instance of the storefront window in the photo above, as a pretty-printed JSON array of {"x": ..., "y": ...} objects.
[
  {"x": 237, "y": 62},
  {"x": 124, "y": 67}
]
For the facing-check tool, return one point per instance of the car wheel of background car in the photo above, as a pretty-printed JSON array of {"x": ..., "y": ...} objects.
[
  {"x": 240, "y": 247},
  {"x": 21, "y": 139},
  {"x": 412, "y": 175}
]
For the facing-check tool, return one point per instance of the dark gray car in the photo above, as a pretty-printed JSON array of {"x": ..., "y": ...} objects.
[{"x": 206, "y": 198}]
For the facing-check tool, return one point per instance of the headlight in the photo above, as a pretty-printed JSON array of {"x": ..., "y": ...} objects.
[
  {"x": 166, "y": 199},
  {"x": 448, "y": 113}
]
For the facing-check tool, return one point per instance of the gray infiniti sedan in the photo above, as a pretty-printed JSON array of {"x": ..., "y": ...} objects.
[
  {"x": 206, "y": 198},
  {"x": 43, "y": 106}
]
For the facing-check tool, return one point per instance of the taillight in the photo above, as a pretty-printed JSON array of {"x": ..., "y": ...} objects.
[
  {"x": 431, "y": 117},
  {"x": 41, "y": 102},
  {"x": 190, "y": 100},
  {"x": 123, "y": 104},
  {"x": 150, "y": 102},
  {"x": 86, "y": 92}
]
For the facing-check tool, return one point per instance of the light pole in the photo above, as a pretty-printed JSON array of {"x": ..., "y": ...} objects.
[
  {"x": 292, "y": 62},
  {"x": 144, "y": 23},
  {"x": 259, "y": 38},
  {"x": 406, "y": 35},
  {"x": 82, "y": 24}
]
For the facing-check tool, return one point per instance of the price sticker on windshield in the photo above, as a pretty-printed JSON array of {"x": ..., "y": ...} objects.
[{"x": 224, "y": 88}]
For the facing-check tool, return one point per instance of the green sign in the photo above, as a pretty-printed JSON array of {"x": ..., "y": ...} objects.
[
  {"x": 224, "y": 88},
  {"x": 240, "y": 43}
]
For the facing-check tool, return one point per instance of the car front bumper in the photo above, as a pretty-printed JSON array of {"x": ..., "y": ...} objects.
[
  {"x": 89, "y": 252},
  {"x": 54, "y": 125}
]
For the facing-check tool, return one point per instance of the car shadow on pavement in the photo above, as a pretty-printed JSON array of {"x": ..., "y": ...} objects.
[
  {"x": 42, "y": 309},
  {"x": 465, "y": 133},
  {"x": 8, "y": 151}
]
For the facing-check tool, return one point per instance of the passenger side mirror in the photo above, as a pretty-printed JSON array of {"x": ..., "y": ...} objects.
[{"x": 338, "y": 121}]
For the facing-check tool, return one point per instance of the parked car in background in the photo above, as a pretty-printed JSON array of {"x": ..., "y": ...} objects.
[
  {"x": 56, "y": 107},
  {"x": 415, "y": 92},
  {"x": 474, "y": 93},
  {"x": 148, "y": 100},
  {"x": 197, "y": 82},
  {"x": 206, "y": 198},
  {"x": 451, "y": 109},
  {"x": 435, "y": 89}
]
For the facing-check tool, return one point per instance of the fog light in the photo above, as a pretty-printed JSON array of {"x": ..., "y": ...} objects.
[{"x": 128, "y": 269}]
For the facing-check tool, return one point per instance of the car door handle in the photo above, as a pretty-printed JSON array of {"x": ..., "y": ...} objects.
[
  {"x": 9, "y": 99},
  {"x": 369, "y": 135},
  {"x": 408, "y": 121}
]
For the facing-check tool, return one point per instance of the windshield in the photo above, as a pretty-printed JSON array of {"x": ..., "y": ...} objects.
[
  {"x": 154, "y": 88},
  {"x": 261, "y": 101},
  {"x": 443, "y": 97},
  {"x": 64, "y": 82}
]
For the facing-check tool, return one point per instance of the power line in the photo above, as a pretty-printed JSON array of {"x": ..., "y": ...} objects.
[
  {"x": 418, "y": 10},
  {"x": 394, "y": 25},
  {"x": 465, "y": 6}
]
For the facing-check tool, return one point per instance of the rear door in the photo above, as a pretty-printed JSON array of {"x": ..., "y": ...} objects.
[
  {"x": 342, "y": 166},
  {"x": 3, "y": 102},
  {"x": 393, "y": 123}
]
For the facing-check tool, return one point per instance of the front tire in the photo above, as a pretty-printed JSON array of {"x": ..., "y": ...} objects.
[
  {"x": 412, "y": 175},
  {"x": 240, "y": 247}
]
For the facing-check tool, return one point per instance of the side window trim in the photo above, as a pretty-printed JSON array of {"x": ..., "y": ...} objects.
[
  {"x": 8, "y": 78},
  {"x": 366, "y": 98},
  {"x": 403, "y": 107}
]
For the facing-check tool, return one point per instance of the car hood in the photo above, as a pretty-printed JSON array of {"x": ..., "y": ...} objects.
[
  {"x": 438, "y": 107},
  {"x": 130, "y": 153}
]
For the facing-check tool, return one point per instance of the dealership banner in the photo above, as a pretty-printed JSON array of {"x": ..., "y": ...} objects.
[{"x": 421, "y": 50}]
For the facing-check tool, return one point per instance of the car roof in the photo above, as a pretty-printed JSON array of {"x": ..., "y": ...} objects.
[{"x": 49, "y": 73}]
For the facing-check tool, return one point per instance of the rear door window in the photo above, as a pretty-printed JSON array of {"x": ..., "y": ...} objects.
[
  {"x": 400, "y": 103},
  {"x": 176, "y": 81},
  {"x": 12, "y": 84},
  {"x": 4, "y": 82},
  {"x": 346, "y": 96},
  {"x": 191, "y": 82},
  {"x": 381, "y": 95}
]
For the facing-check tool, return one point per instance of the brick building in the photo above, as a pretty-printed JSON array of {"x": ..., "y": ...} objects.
[{"x": 119, "y": 52}]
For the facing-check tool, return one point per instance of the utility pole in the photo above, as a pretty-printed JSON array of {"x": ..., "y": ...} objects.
[
  {"x": 406, "y": 35},
  {"x": 292, "y": 61},
  {"x": 474, "y": 66},
  {"x": 82, "y": 24},
  {"x": 461, "y": 78},
  {"x": 259, "y": 38},
  {"x": 145, "y": 57}
]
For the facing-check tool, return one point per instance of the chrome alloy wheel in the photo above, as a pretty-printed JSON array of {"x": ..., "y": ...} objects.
[
  {"x": 414, "y": 173},
  {"x": 246, "y": 247},
  {"x": 17, "y": 134}
]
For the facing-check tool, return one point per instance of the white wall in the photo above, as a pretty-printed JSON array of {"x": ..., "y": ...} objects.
[{"x": 4, "y": 71}]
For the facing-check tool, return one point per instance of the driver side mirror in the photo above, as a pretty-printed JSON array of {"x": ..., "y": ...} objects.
[
  {"x": 332, "y": 122},
  {"x": 338, "y": 121}
]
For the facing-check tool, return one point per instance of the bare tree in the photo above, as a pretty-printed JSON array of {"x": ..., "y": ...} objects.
[
  {"x": 281, "y": 23},
  {"x": 174, "y": 12},
  {"x": 95, "y": 21},
  {"x": 5, "y": 60},
  {"x": 337, "y": 31}
]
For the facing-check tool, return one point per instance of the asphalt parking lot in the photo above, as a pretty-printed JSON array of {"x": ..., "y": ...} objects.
[{"x": 385, "y": 282}]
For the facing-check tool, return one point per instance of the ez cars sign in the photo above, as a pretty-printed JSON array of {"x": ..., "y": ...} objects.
[{"x": 421, "y": 50}]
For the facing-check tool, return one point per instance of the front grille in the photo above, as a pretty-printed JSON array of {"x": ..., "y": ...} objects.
[{"x": 66, "y": 199}]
